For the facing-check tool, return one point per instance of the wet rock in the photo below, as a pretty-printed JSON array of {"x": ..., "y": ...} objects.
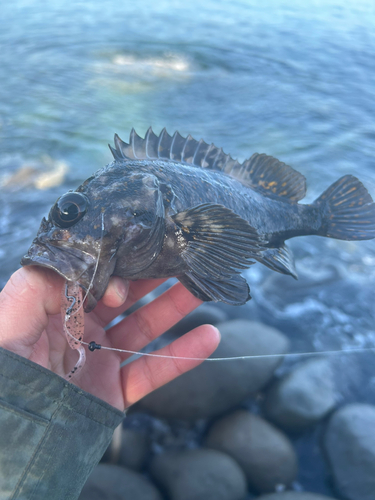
[
  {"x": 135, "y": 449},
  {"x": 129, "y": 448},
  {"x": 206, "y": 314},
  {"x": 44, "y": 174},
  {"x": 111, "y": 482},
  {"x": 264, "y": 453},
  {"x": 294, "y": 495},
  {"x": 199, "y": 474},
  {"x": 350, "y": 446},
  {"x": 303, "y": 396},
  {"x": 214, "y": 387}
]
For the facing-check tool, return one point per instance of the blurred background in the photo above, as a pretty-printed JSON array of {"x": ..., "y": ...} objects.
[{"x": 295, "y": 80}]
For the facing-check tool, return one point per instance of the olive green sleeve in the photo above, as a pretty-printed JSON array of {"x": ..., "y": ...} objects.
[{"x": 52, "y": 434}]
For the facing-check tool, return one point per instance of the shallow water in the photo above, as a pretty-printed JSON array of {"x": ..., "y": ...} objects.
[{"x": 292, "y": 79}]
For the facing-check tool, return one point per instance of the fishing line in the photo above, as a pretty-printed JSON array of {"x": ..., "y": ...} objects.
[
  {"x": 93, "y": 346},
  {"x": 96, "y": 265},
  {"x": 67, "y": 315}
]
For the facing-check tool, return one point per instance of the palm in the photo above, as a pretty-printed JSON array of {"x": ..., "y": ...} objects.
[{"x": 31, "y": 326}]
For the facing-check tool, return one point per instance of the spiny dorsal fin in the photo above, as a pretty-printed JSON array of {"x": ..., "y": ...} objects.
[
  {"x": 262, "y": 173},
  {"x": 151, "y": 141},
  {"x": 176, "y": 148}
]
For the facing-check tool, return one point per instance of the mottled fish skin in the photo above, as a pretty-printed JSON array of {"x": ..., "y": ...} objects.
[{"x": 174, "y": 206}]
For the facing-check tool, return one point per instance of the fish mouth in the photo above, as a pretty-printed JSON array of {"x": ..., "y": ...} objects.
[{"x": 70, "y": 263}]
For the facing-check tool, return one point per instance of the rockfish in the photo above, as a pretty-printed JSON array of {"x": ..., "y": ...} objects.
[{"x": 173, "y": 206}]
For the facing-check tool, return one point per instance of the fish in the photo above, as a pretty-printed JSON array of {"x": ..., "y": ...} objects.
[{"x": 172, "y": 206}]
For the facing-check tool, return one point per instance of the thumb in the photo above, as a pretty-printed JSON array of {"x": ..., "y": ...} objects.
[{"x": 27, "y": 300}]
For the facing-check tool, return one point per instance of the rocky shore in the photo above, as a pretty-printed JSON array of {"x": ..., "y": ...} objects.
[{"x": 244, "y": 429}]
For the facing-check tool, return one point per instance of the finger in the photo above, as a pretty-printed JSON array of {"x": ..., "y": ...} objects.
[
  {"x": 153, "y": 319},
  {"x": 137, "y": 289},
  {"x": 30, "y": 296},
  {"x": 146, "y": 374},
  {"x": 116, "y": 293}
]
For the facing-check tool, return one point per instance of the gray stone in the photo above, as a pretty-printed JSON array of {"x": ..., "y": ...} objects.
[
  {"x": 111, "y": 482},
  {"x": 214, "y": 387},
  {"x": 265, "y": 454},
  {"x": 350, "y": 445},
  {"x": 135, "y": 449},
  {"x": 303, "y": 396},
  {"x": 205, "y": 314},
  {"x": 129, "y": 448},
  {"x": 199, "y": 474},
  {"x": 294, "y": 495}
]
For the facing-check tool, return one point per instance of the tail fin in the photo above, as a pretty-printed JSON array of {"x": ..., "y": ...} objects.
[{"x": 348, "y": 211}]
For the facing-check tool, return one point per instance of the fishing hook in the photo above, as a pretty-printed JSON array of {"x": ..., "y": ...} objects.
[{"x": 70, "y": 298}]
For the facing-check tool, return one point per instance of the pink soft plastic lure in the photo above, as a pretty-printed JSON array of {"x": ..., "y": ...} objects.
[{"x": 74, "y": 323}]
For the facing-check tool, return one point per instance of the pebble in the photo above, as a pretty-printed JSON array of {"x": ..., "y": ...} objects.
[
  {"x": 264, "y": 453},
  {"x": 294, "y": 495},
  {"x": 129, "y": 448},
  {"x": 199, "y": 475},
  {"x": 302, "y": 397},
  {"x": 215, "y": 387},
  {"x": 206, "y": 314},
  {"x": 109, "y": 482},
  {"x": 350, "y": 446}
]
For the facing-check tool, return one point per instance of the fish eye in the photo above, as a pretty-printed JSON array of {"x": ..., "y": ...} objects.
[{"x": 69, "y": 209}]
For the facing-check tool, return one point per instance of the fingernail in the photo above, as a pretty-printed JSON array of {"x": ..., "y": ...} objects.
[{"x": 122, "y": 288}]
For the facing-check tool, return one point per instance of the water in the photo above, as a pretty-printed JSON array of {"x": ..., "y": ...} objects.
[
  {"x": 295, "y": 81},
  {"x": 292, "y": 79}
]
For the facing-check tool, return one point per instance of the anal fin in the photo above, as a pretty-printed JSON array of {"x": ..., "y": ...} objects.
[{"x": 279, "y": 259}]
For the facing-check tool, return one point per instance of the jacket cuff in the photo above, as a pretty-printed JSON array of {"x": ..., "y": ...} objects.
[{"x": 52, "y": 433}]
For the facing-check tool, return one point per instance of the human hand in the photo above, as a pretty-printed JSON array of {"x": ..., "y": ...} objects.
[{"x": 31, "y": 326}]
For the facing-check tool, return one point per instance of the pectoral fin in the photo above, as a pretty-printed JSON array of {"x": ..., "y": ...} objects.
[
  {"x": 234, "y": 291},
  {"x": 217, "y": 245}
]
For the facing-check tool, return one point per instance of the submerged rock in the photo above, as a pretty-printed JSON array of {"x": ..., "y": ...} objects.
[
  {"x": 207, "y": 313},
  {"x": 264, "y": 453},
  {"x": 294, "y": 495},
  {"x": 109, "y": 482},
  {"x": 303, "y": 396},
  {"x": 42, "y": 175},
  {"x": 199, "y": 474},
  {"x": 214, "y": 387},
  {"x": 350, "y": 446}
]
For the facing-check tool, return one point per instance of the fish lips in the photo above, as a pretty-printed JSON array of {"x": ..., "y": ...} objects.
[{"x": 70, "y": 263}]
